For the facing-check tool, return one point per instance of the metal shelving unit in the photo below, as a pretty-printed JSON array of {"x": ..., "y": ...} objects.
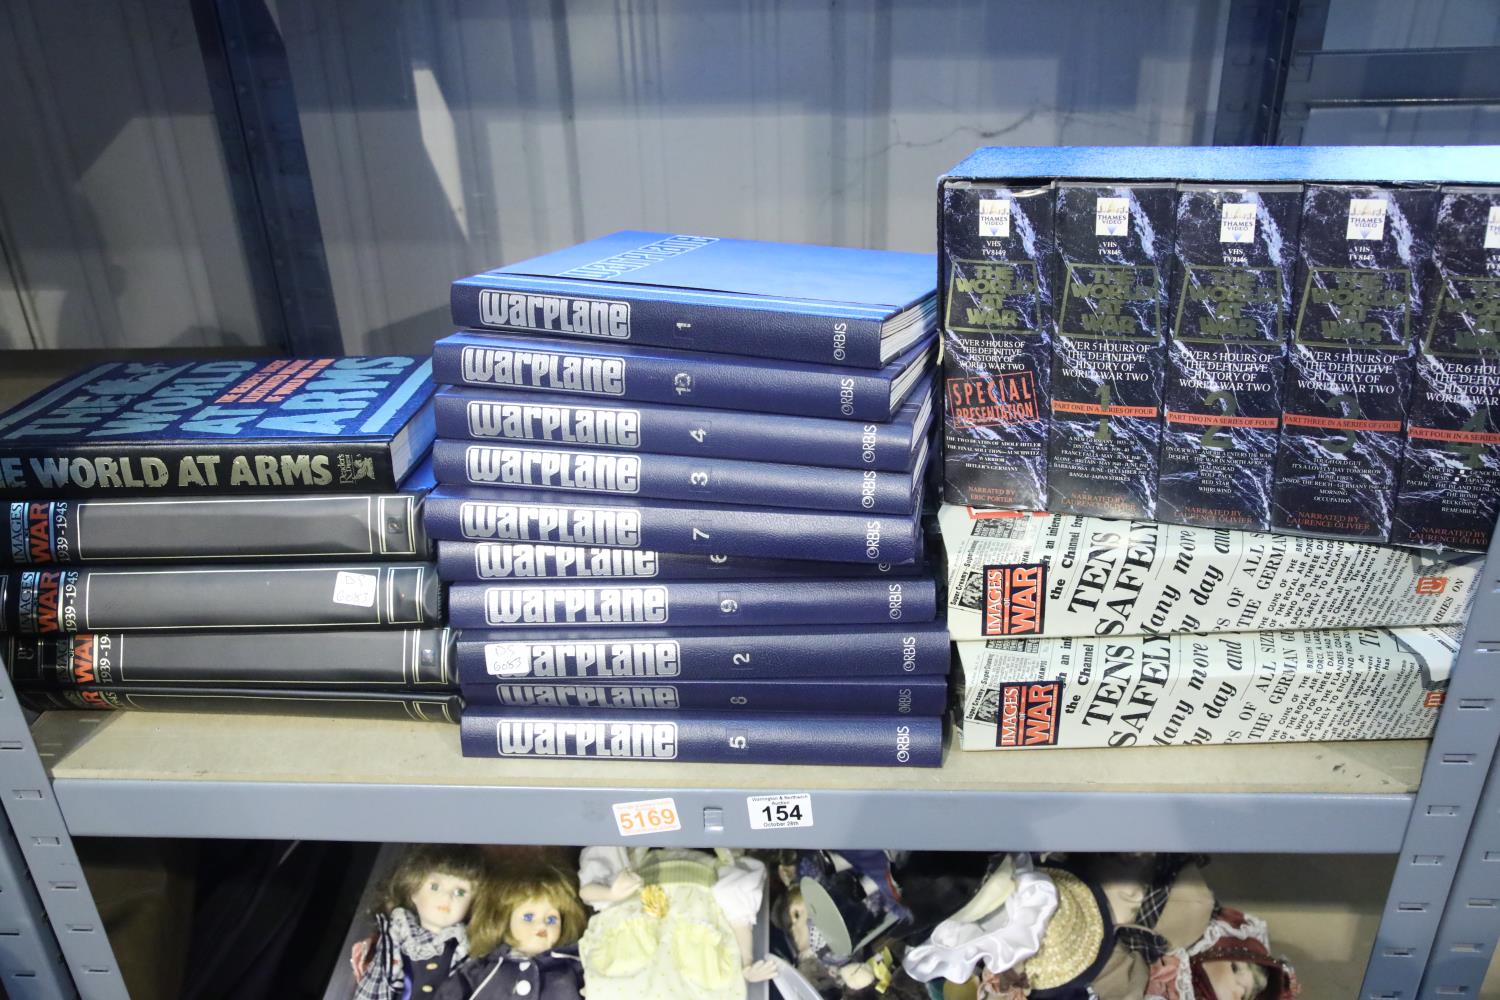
[
  {"x": 139, "y": 774},
  {"x": 1437, "y": 806}
]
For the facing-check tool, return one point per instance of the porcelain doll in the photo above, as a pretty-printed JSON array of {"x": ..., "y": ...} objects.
[
  {"x": 1030, "y": 933},
  {"x": 844, "y": 920},
  {"x": 421, "y": 934},
  {"x": 1158, "y": 903},
  {"x": 670, "y": 924},
  {"x": 1232, "y": 961},
  {"x": 531, "y": 919},
  {"x": 790, "y": 917}
]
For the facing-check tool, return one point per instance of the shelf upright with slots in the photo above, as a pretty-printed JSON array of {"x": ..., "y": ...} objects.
[
  {"x": 1470, "y": 923},
  {"x": 31, "y": 964},
  {"x": 40, "y": 863},
  {"x": 1436, "y": 871}
]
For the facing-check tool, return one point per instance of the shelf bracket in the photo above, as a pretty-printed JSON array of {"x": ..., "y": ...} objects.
[
  {"x": 1470, "y": 921},
  {"x": 46, "y": 847},
  {"x": 1425, "y": 884}
]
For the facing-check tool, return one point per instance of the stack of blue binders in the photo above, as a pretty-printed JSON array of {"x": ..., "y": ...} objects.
[{"x": 679, "y": 503}]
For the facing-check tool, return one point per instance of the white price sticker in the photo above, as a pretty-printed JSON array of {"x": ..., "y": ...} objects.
[
  {"x": 648, "y": 816},
  {"x": 356, "y": 589},
  {"x": 507, "y": 659},
  {"x": 780, "y": 812},
  {"x": 1492, "y": 229}
]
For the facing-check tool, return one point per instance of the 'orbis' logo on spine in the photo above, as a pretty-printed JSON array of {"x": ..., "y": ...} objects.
[
  {"x": 555, "y": 314},
  {"x": 1013, "y": 599},
  {"x": 1028, "y": 714}
]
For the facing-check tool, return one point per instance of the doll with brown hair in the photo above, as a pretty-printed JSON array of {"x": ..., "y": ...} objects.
[
  {"x": 421, "y": 935},
  {"x": 523, "y": 928}
]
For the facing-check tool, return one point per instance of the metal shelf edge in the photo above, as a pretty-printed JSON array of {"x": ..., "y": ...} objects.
[{"x": 848, "y": 818}]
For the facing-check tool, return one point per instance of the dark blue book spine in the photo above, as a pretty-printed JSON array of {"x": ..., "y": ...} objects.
[
  {"x": 675, "y": 477},
  {"x": 853, "y": 740},
  {"x": 917, "y": 696},
  {"x": 819, "y": 332},
  {"x": 494, "y": 515},
  {"x": 473, "y": 561},
  {"x": 608, "y": 371},
  {"x": 726, "y": 604},
  {"x": 555, "y": 420},
  {"x": 702, "y": 654}
]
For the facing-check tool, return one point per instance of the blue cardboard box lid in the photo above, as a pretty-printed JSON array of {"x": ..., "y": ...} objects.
[{"x": 1243, "y": 164}]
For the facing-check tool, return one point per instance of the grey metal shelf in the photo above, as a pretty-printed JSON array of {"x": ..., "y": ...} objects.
[
  {"x": 138, "y": 774},
  {"x": 141, "y": 774},
  {"x": 219, "y": 776}
]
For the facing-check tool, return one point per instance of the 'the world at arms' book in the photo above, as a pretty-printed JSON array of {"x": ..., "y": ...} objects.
[{"x": 228, "y": 426}]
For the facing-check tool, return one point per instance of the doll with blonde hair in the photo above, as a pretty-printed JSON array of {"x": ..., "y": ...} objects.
[{"x": 523, "y": 929}]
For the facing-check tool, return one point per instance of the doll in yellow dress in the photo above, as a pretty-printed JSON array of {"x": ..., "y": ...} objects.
[{"x": 670, "y": 923}]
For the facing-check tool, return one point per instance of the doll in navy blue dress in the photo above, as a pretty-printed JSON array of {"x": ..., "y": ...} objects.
[
  {"x": 421, "y": 924},
  {"x": 538, "y": 917}
]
